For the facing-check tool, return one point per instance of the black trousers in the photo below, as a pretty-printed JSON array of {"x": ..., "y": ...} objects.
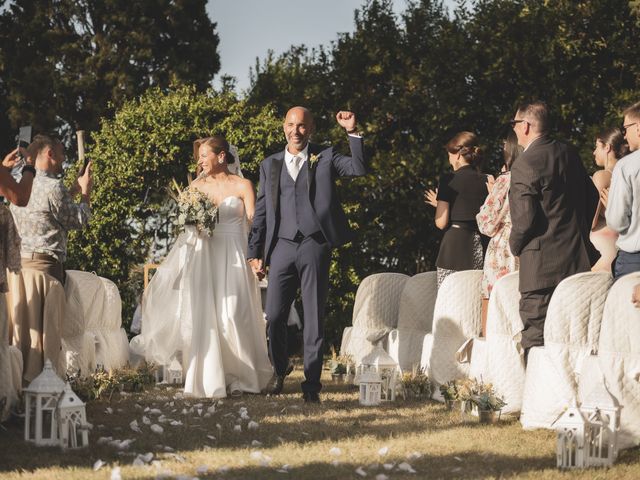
[
  {"x": 533, "y": 311},
  {"x": 303, "y": 264}
]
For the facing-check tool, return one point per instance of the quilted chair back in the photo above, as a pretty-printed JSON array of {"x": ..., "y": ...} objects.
[
  {"x": 575, "y": 310},
  {"x": 456, "y": 318},
  {"x": 504, "y": 367},
  {"x": 415, "y": 318},
  {"x": 378, "y": 300},
  {"x": 619, "y": 356},
  {"x": 375, "y": 312},
  {"x": 571, "y": 333}
]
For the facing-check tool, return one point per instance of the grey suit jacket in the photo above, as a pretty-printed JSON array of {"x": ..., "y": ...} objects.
[{"x": 552, "y": 201}]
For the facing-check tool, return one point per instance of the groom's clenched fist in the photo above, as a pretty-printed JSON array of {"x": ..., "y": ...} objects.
[
  {"x": 347, "y": 120},
  {"x": 256, "y": 267}
]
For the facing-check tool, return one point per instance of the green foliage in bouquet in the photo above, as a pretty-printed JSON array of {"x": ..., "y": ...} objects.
[
  {"x": 416, "y": 383},
  {"x": 449, "y": 390},
  {"x": 103, "y": 384}
]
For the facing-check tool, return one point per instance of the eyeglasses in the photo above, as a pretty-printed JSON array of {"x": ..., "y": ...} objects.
[
  {"x": 513, "y": 122},
  {"x": 623, "y": 128}
]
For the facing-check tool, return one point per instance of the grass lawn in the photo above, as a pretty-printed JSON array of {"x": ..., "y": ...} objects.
[{"x": 333, "y": 440}]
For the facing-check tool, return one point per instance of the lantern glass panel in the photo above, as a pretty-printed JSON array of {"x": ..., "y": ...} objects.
[{"x": 47, "y": 424}]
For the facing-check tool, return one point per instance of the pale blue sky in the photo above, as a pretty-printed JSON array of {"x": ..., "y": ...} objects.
[{"x": 249, "y": 28}]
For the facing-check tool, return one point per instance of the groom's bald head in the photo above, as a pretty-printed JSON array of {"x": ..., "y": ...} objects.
[{"x": 298, "y": 127}]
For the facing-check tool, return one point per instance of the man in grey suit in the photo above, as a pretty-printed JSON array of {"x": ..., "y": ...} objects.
[
  {"x": 298, "y": 220},
  {"x": 553, "y": 201}
]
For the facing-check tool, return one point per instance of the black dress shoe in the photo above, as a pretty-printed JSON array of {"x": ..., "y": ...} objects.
[
  {"x": 277, "y": 382},
  {"x": 311, "y": 397}
]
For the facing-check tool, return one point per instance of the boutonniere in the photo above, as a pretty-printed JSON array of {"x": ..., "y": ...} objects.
[{"x": 313, "y": 159}]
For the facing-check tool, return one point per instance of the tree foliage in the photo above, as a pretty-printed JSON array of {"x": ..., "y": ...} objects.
[
  {"x": 416, "y": 79},
  {"x": 136, "y": 154},
  {"x": 67, "y": 63}
]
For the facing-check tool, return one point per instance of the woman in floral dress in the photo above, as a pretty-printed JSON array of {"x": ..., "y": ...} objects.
[{"x": 494, "y": 220}]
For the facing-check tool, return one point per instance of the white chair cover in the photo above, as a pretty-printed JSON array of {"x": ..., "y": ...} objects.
[
  {"x": 571, "y": 334},
  {"x": 415, "y": 318}
]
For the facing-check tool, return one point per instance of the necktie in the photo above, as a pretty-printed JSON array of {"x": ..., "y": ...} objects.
[{"x": 295, "y": 167}]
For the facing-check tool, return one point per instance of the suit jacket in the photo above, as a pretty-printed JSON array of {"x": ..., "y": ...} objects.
[
  {"x": 322, "y": 193},
  {"x": 552, "y": 201}
]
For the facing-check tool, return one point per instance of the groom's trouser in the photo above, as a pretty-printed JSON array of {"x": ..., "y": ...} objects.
[{"x": 303, "y": 264}]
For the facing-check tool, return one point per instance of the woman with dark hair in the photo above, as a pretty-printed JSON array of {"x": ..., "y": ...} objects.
[
  {"x": 203, "y": 304},
  {"x": 494, "y": 220},
  {"x": 457, "y": 200},
  {"x": 610, "y": 147}
]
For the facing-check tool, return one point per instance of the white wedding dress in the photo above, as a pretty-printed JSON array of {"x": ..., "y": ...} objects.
[{"x": 203, "y": 306}]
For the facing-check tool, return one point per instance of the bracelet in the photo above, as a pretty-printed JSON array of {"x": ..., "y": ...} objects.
[
  {"x": 29, "y": 168},
  {"x": 352, "y": 132}
]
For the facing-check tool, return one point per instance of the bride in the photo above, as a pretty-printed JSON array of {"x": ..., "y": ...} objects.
[{"x": 203, "y": 303}]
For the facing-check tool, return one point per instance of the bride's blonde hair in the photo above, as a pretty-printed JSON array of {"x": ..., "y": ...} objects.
[{"x": 217, "y": 143}]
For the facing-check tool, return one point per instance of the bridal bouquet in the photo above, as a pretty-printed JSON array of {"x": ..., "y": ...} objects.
[{"x": 194, "y": 208}]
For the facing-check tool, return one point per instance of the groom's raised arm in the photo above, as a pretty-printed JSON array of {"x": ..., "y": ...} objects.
[
  {"x": 355, "y": 165},
  {"x": 259, "y": 227}
]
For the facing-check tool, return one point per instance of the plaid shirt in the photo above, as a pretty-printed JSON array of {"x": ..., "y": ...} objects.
[{"x": 46, "y": 220}]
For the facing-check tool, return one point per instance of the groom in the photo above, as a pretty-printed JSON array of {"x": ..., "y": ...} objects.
[{"x": 298, "y": 220}]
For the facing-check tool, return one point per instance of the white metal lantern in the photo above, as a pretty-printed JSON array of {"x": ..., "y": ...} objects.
[
  {"x": 72, "y": 420},
  {"x": 382, "y": 363},
  {"x": 603, "y": 413},
  {"x": 370, "y": 388},
  {"x": 572, "y": 431},
  {"x": 41, "y": 402},
  {"x": 173, "y": 373}
]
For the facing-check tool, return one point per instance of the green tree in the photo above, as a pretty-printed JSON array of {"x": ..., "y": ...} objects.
[
  {"x": 67, "y": 63},
  {"x": 416, "y": 79},
  {"x": 137, "y": 154}
]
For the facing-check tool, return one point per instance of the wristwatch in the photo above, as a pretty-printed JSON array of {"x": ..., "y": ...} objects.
[{"x": 29, "y": 168}]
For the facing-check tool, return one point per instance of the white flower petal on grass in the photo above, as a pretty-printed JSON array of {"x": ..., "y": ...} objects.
[
  {"x": 415, "y": 456},
  {"x": 458, "y": 459},
  {"x": 335, "y": 463},
  {"x": 207, "y": 415},
  {"x": 381, "y": 476},
  {"x": 155, "y": 428},
  {"x": 115, "y": 473},
  {"x": 137, "y": 462},
  {"x": 202, "y": 470},
  {"x": 134, "y": 426},
  {"x": 211, "y": 437},
  {"x": 388, "y": 466},
  {"x": 219, "y": 427},
  {"x": 104, "y": 440},
  {"x": 155, "y": 411},
  {"x": 255, "y": 455},
  {"x": 162, "y": 419},
  {"x": 146, "y": 420},
  {"x": 146, "y": 409},
  {"x": 211, "y": 409},
  {"x": 280, "y": 439},
  {"x": 383, "y": 451},
  {"x": 335, "y": 451},
  {"x": 256, "y": 443},
  {"x": 98, "y": 465},
  {"x": 199, "y": 410},
  {"x": 184, "y": 411},
  {"x": 360, "y": 471},
  {"x": 405, "y": 467},
  {"x": 138, "y": 406},
  {"x": 168, "y": 449},
  {"x": 252, "y": 425},
  {"x": 175, "y": 423},
  {"x": 108, "y": 410},
  {"x": 147, "y": 457},
  {"x": 237, "y": 428}
]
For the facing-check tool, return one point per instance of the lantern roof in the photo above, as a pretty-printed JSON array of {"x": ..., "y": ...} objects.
[
  {"x": 571, "y": 416},
  {"x": 379, "y": 358},
  {"x": 600, "y": 397},
  {"x": 175, "y": 365},
  {"x": 46, "y": 382},
  {"x": 370, "y": 377},
  {"x": 69, "y": 398}
]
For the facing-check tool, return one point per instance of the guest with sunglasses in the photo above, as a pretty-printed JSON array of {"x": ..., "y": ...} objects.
[
  {"x": 552, "y": 201},
  {"x": 623, "y": 198}
]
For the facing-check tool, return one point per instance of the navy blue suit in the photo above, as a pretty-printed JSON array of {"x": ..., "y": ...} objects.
[{"x": 294, "y": 228}]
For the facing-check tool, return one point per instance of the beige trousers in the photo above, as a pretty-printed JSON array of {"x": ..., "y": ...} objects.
[{"x": 36, "y": 308}]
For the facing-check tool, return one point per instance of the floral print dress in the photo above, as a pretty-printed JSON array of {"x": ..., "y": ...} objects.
[{"x": 494, "y": 220}]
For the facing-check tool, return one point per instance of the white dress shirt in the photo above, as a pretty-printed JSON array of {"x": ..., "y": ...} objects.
[{"x": 289, "y": 160}]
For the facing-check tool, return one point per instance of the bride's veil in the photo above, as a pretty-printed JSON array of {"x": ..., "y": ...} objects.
[{"x": 235, "y": 166}]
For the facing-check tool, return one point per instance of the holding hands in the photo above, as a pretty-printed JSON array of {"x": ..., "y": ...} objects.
[{"x": 257, "y": 268}]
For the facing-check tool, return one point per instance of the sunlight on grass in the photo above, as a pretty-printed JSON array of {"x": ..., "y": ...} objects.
[{"x": 332, "y": 440}]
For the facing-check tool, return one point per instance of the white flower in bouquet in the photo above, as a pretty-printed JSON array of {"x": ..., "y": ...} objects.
[{"x": 194, "y": 208}]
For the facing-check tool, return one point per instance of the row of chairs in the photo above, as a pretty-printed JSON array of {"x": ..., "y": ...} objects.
[{"x": 589, "y": 322}]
